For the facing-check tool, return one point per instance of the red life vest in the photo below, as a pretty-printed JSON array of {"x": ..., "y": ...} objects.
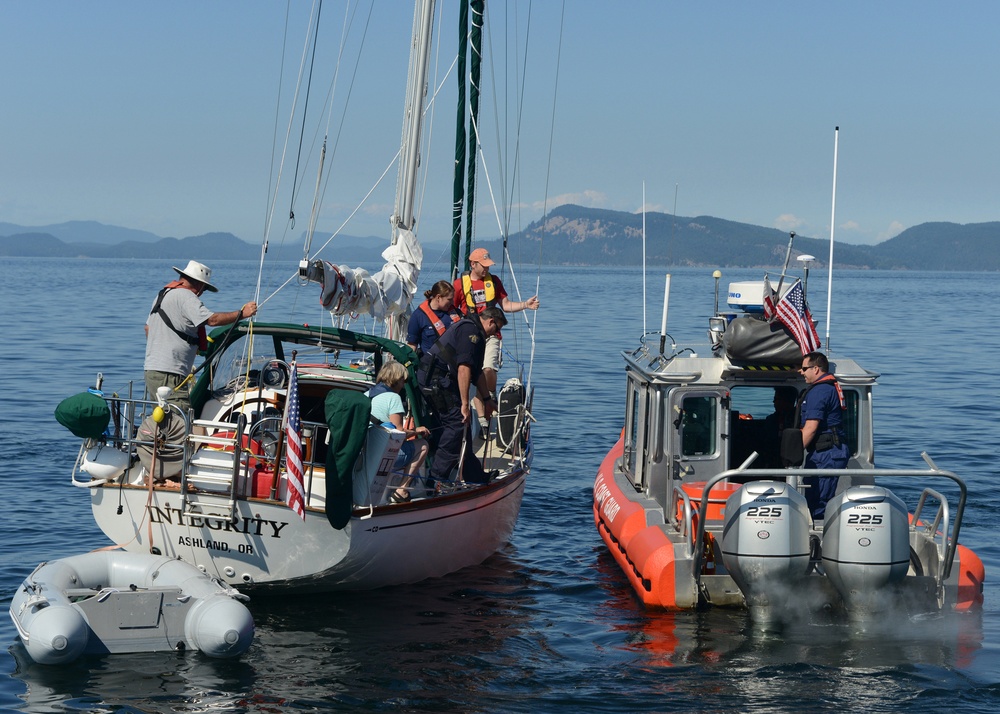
[
  {"x": 436, "y": 321},
  {"x": 827, "y": 378}
]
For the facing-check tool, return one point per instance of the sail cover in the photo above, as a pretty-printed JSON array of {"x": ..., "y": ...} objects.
[{"x": 387, "y": 293}]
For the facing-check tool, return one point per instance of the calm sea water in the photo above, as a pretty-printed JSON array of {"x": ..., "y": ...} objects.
[{"x": 549, "y": 623}]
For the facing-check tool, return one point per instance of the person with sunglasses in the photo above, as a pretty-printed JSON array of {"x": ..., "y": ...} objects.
[{"x": 821, "y": 416}]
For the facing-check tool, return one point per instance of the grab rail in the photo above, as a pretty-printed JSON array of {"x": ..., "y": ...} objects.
[{"x": 950, "y": 541}]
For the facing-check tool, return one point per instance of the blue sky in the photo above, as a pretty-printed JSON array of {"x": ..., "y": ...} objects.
[{"x": 162, "y": 116}]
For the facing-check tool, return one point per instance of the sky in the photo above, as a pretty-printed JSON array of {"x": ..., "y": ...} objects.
[{"x": 171, "y": 117}]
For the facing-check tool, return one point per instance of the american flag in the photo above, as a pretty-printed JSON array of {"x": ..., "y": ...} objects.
[
  {"x": 793, "y": 314},
  {"x": 768, "y": 299},
  {"x": 293, "y": 454}
]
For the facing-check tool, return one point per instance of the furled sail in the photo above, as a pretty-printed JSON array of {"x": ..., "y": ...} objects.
[{"x": 384, "y": 295}]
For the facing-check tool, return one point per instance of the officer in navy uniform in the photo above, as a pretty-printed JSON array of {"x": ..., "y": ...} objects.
[
  {"x": 821, "y": 412},
  {"x": 447, "y": 372}
]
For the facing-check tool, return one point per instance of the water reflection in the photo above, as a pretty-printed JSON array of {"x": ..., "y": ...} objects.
[{"x": 726, "y": 637}]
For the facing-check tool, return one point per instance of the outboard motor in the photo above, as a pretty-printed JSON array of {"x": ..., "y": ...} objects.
[
  {"x": 866, "y": 548},
  {"x": 765, "y": 545}
]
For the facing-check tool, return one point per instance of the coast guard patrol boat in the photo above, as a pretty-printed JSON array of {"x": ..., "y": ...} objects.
[{"x": 701, "y": 505}]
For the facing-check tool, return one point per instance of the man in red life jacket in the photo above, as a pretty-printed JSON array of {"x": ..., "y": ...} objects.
[
  {"x": 821, "y": 410},
  {"x": 477, "y": 289},
  {"x": 175, "y": 330}
]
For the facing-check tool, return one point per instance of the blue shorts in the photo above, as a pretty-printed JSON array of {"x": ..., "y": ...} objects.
[{"x": 404, "y": 456}]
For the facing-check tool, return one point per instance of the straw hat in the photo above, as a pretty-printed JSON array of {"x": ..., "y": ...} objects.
[{"x": 198, "y": 272}]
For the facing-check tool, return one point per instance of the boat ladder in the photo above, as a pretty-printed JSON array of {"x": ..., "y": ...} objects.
[{"x": 217, "y": 459}]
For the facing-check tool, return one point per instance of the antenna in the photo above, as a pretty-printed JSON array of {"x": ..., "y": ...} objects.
[
  {"x": 644, "y": 260},
  {"x": 788, "y": 255},
  {"x": 663, "y": 324},
  {"x": 833, "y": 213}
]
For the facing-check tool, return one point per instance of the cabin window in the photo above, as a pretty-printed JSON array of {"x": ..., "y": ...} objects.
[
  {"x": 699, "y": 426},
  {"x": 759, "y": 413},
  {"x": 851, "y": 418},
  {"x": 632, "y": 429}
]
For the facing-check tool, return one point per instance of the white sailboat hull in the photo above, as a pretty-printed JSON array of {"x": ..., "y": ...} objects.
[{"x": 267, "y": 547}]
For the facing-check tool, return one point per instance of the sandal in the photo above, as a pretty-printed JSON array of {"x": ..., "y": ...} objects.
[{"x": 396, "y": 497}]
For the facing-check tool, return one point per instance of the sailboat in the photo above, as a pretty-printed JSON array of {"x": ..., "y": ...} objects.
[{"x": 279, "y": 480}]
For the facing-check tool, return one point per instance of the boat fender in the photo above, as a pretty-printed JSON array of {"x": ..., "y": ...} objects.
[{"x": 104, "y": 462}]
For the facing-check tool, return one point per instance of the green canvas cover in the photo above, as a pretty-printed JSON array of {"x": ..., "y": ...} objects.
[
  {"x": 347, "y": 415},
  {"x": 86, "y": 415}
]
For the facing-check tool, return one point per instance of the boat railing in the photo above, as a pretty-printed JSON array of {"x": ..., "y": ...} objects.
[
  {"x": 267, "y": 432},
  {"x": 128, "y": 414},
  {"x": 682, "y": 501},
  {"x": 949, "y": 539},
  {"x": 124, "y": 435},
  {"x": 936, "y": 529}
]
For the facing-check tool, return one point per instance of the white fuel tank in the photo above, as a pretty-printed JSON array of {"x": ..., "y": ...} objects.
[
  {"x": 765, "y": 545},
  {"x": 866, "y": 547}
]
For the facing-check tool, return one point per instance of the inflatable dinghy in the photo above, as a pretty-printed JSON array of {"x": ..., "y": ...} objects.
[{"x": 115, "y": 602}]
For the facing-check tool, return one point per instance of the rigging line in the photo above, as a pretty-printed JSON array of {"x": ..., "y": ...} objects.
[
  {"x": 523, "y": 75},
  {"x": 548, "y": 168},
  {"x": 347, "y": 101},
  {"x": 328, "y": 102},
  {"x": 273, "y": 181},
  {"x": 496, "y": 212},
  {"x": 305, "y": 113},
  {"x": 430, "y": 103},
  {"x": 288, "y": 130}
]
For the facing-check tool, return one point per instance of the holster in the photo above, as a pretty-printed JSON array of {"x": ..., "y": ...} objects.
[{"x": 826, "y": 441}]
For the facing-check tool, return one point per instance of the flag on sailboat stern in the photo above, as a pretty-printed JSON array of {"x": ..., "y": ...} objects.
[
  {"x": 293, "y": 456},
  {"x": 769, "y": 297},
  {"x": 793, "y": 313}
]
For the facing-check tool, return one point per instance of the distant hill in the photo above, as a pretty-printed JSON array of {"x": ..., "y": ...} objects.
[
  {"x": 572, "y": 235},
  {"x": 83, "y": 232},
  {"x": 35, "y": 243}
]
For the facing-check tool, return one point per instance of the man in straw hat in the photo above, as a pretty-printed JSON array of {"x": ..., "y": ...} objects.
[{"x": 175, "y": 330}]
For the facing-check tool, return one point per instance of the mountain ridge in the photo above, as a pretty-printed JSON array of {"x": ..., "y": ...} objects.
[{"x": 572, "y": 235}]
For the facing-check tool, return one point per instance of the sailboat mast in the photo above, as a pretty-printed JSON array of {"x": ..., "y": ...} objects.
[
  {"x": 475, "y": 72},
  {"x": 416, "y": 92},
  {"x": 458, "y": 181},
  {"x": 470, "y": 41}
]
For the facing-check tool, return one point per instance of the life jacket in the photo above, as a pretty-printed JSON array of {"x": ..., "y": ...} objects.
[
  {"x": 488, "y": 289},
  {"x": 436, "y": 321},
  {"x": 825, "y": 379},
  {"x": 380, "y": 388},
  {"x": 200, "y": 341}
]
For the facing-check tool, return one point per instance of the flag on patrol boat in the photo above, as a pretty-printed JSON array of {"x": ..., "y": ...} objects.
[
  {"x": 791, "y": 310},
  {"x": 769, "y": 296},
  {"x": 293, "y": 453}
]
